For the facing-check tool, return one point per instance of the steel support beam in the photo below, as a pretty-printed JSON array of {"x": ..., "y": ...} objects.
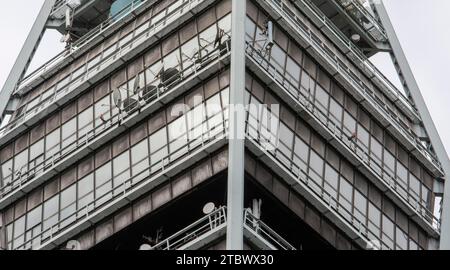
[
  {"x": 428, "y": 123},
  {"x": 235, "y": 222},
  {"x": 26, "y": 55}
]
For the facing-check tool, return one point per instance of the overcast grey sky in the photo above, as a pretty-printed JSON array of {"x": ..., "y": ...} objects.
[{"x": 422, "y": 26}]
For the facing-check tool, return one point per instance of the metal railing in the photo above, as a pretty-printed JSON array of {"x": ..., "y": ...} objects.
[
  {"x": 258, "y": 227},
  {"x": 80, "y": 43},
  {"x": 148, "y": 99},
  {"x": 338, "y": 206},
  {"x": 218, "y": 219},
  {"x": 374, "y": 164},
  {"x": 359, "y": 58},
  {"x": 207, "y": 224},
  {"x": 363, "y": 17},
  {"x": 346, "y": 73},
  {"x": 49, "y": 99},
  {"x": 129, "y": 185}
]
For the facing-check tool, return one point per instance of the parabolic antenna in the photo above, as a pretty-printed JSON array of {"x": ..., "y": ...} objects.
[{"x": 209, "y": 208}]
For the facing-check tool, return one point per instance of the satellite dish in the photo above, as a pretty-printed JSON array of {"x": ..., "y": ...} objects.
[
  {"x": 137, "y": 83},
  {"x": 145, "y": 247},
  {"x": 356, "y": 38},
  {"x": 209, "y": 208},
  {"x": 73, "y": 245},
  {"x": 149, "y": 93},
  {"x": 130, "y": 104},
  {"x": 117, "y": 96}
]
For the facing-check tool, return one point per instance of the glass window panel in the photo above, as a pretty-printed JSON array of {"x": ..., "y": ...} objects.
[
  {"x": 388, "y": 232},
  {"x": 308, "y": 85},
  {"x": 225, "y": 24},
  {"x": 278, "y": 58},
  {"x": 102, "y": 111},
  {"x": 7, "y": 171},
  {"x": 301, "y": 150},
  {"x": 363, "y": 138},
  {"x": 103, "y": 184},
  {"x": 85, "y": 121},
  {"x": 85, "y": 194},
  {"x": 286, "y": 139},
  {"x": 214, "y": 114},
  {"x": 401, "y": 239},
  {"x": 414, "y": 185},
  {"x": 316, "y": 164},
  {"x": 19, "y": 232},
  {"x": 151, "y": 74},
  {"x": 336, "y": 112},
  {"x": 34, "y": 217},
  {"x": 293, "y": 72},
  {"x": 121, "y": 171},
  {"x": 322, "y": 98},
  {"x": 349, "y": 123},
  {"x": 389, "y": 163},
  {"x": 345, "y": 198},
  {"x": 250, "y": 28},
  {"x": 158, "y": 149},
  {"x": 69, "y": 134},
  {"x": 207, "y": 39},
  {"x": 68, "y": 206},
  {"x": 52, "y": 143},
  {"x": 376, "y": 150},
  {"x": 269, "y": 128},
  {"x": 178, "y": 138},
  {"x": 20, "y": 164},
  {"x": 51, "y": 208},
  {"x": 402, "y": 179},
  {"x": 360, "y": 207},
  {"x": 196, "y": 126},
  {"x": 331, "y": 181},
  {"x": 172, "y": 60},
  {"x": 37, "y": 149},
  {"x": 189, "y": 53},
  {"x": 140, "y": 161},
  {"x": 374, "y": 223}
]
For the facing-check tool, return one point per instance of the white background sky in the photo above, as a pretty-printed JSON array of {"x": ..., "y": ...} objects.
[{"x": 422, "y": 27}]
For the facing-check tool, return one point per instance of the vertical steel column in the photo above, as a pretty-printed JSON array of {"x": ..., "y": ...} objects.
[
  {"x": 235, "y": 222},
  {"x": 424, "y": 114},
  {"x": 25, "y": 55}
]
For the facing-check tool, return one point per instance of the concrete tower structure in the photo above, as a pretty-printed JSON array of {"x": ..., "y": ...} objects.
[{"x": 218, "y": 124}]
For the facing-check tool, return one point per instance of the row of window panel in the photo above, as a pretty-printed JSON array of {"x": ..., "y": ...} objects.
[
  {"x": 164, "y": 146},
  {"x": 387, "y": 157},
  {"x": 297, "y": 155},
  {"x": 95, "y": 115},
  {"x": 304, "y": 152},
  {"x": 256, "y": 14},
  {"x": 200, "y": 25}
]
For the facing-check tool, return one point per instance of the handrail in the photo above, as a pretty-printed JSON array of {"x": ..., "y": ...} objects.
[
  {"x": 202, "y": 226},
  {"x": 77, "y": 45},
  {"x": 363, "y": 155},
  {"x": 113, "y": 121},
  {"x": 336, "y": 205},
  {"x": 132, "y": 183},
  {"x": 344, "y": 70},
  {"x": 374, "y": 23},
  {"x": 360, "y": 58},
  {"x": 216, "y": 219},
  {"x": 260, "y": 228},
  {"x": 95, "y": 68}
]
